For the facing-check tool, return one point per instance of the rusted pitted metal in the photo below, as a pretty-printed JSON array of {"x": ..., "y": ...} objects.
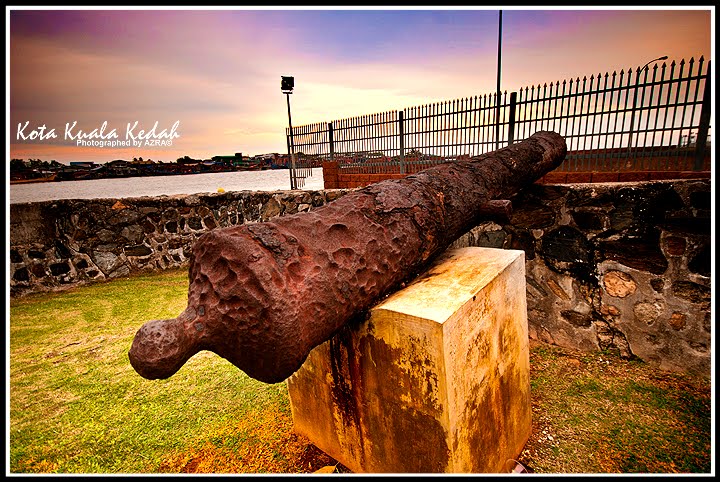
[{"x": 264, "y": 295}]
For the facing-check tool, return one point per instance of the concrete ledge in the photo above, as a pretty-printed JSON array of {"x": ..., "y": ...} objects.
[{"x": 435, "y": 380}]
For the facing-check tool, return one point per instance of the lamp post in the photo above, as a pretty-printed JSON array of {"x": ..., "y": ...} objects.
[
  {"x": 286, "y": 85},
  {"x": 632, "y": 113},
  {"x": 497, "y": 99}
]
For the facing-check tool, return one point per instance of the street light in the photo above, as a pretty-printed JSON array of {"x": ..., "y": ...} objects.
[
  {"x": 632, "y": 113},
  {"x": 497, "y": 98},
  {"x": 664, "y": 57},
  {"x": 286, "y": 85}
]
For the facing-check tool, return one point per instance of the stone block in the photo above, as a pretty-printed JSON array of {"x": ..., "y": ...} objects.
[{"x": 435, "y": 379}]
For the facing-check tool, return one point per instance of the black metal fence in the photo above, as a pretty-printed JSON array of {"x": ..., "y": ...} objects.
[{"x": 649, "y": 119}]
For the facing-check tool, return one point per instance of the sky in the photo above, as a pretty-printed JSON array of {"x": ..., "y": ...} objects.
[{"x": 215, "y": 74}]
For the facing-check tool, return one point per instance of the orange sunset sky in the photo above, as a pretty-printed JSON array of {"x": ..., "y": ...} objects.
[{"x": 217, "y": 72}]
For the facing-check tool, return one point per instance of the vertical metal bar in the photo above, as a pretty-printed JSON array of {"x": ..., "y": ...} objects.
[
  {"x": 632, "y": 113},
  {"x": 511, "y": 118},
  {"x": 427, "y": 125},
  {"x": 371, "y": 137},
  {"x": 331, "y": 141},
  {"x": 594, "y": 146},
  {"x": 536, "y": 113},
  {"x": 475, "y": 137},
  {"x": 658, "y": 108},
  {"x": 694, "y": 102},
  {"x": 704, "y": 126},
  {"x": 459, "y": 121},
  {"x": 645, "y": 150},
  {"x": 481, "y": 123},
  {"x": 625, "y": 110},
  {"x": 489, "y": 130},
  {"x": 525, "y": 106},
  {"x": 497, "y": 91},
  {"x": 497, "y": 136},
  {"x": 543, "y": 105},
  {"x": 639, "y": 159},
  {"x": 466, "y": 127},
  {"x": 686, "y": 82},
  {"x": 382, "y": 140},
  {"x": 575, "y": 138},
  {"x": 457, "y": 125},
  {"x": 665, "y": 153},
  {"x": 436, "y": 128},
  {"x": 675, "y": 152},
  {"x": 503, "y": 122},
  {"x": 583, "y": 120},
  {"x": 444, "y": 128},
  {"x": 556, "y": 98},
  {"x": 490, "y": 144},
  {"x": 431, "y": 123},
  {"x": 449, "y": 121},
  {"x": 563, "y": 117},
  {"x": 601, "y": 159},
  {"x": 401, "y": 127},
  {"x": 531, "y": 123}
]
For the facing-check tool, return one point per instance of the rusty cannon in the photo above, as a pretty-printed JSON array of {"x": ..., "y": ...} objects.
[{"x": 263, "y": 295}]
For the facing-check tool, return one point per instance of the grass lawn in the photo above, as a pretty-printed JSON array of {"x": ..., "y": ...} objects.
[{"x": 77, "y": 406}]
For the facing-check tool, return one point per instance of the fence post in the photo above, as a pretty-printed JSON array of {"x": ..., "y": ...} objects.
[
  {"x": 511, "y": 118},
  {"x": 402, "y": 142},
  {"x": 330, "y": 140},
  {"x": 289, "y": 163},
  {"x": 704, "y": 125}
]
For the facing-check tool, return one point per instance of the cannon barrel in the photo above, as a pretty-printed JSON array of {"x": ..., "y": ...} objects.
[{"x": 263, "y": 295}]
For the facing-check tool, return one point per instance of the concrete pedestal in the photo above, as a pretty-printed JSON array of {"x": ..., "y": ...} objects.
[{"x": 435, "y": 380}]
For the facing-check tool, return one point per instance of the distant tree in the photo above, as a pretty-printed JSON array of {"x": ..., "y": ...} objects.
[
  {"x": 135, "y": 159},
  {"x": 37, "y": 164},
  {"x": 17, "y": 164}
]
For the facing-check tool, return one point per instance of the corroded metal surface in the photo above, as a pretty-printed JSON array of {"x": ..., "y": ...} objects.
[{"x": 264, "y": 295}]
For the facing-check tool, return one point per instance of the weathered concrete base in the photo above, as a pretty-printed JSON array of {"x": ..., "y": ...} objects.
[{"x": 435, "y": 380}]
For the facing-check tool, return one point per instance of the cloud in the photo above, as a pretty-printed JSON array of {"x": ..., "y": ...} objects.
[{"x": 218, "y": 72}]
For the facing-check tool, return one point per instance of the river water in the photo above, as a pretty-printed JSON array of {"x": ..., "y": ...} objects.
[{"x": 270, "y": 180}]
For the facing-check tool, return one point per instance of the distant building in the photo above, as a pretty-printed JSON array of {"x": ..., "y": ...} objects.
[
  {"x": 235, "y": 160},
  {"x": 118, "y": 163},
  {"x": 83, "y": 164},
  {"x": 188, "y": 160}
]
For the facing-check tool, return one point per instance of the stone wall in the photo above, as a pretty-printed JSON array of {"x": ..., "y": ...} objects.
[
  {"x": 616, "y": 266},
  {"x": 64, "y": 243}
]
